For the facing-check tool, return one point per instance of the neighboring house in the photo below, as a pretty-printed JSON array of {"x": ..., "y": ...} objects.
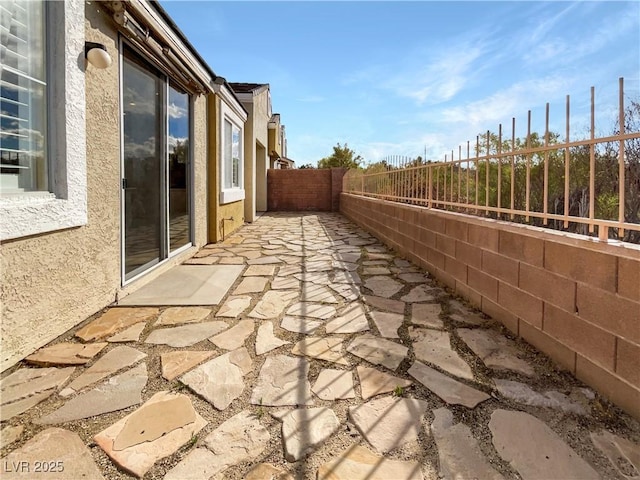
[
  {"x": 110, "y": 175},
  {"x": 256, "y": 99},
  {"x": 278, "y": 145},
  {"x": 285, "y": 163}
]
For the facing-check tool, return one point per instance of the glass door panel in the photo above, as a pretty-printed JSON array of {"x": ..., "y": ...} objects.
[
  {"x": 143, "y": 125},
  {"x": 179, "y": 194}
]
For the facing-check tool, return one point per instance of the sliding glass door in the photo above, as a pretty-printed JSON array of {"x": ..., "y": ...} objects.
[
  {"x": 179, "y": 179},
  {"x": 155, "y": 182}
]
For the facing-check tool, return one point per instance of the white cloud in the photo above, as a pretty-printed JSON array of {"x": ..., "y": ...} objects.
[
  {"x": 427, "y": 75},
  {"x": 173, "y": 141},
  {"x": 508, "y": 102},
  {"x": 176, "y": 111}
]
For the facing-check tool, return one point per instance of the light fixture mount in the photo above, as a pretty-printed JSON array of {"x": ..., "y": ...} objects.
[{"x": 97, "y": 55}]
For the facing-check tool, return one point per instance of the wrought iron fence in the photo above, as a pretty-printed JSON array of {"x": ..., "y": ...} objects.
[{"x": 589, "y": 186}]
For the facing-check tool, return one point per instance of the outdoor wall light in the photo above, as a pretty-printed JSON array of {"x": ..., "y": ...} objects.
[{"x": 97, "y": 55}]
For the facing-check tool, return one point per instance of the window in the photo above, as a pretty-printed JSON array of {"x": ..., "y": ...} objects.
[
  {"x": 23, "y": 97},
  {"x": 232, "y": 182},
  {"x": 43, "y": 181},
  {"x": 232, "y": 155}
]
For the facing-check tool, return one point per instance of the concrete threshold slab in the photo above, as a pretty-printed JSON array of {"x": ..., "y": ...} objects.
[{"x": 187, "y": 285}]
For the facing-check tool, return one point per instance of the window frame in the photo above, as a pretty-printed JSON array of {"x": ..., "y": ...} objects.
[
  {"x": 230, "y": 194},
  {"x": 65, "y": 204}
]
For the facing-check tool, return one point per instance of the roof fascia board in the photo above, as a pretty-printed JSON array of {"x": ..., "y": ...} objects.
[
  {"x": 148, "y": 13},
  {"x": 228, "y": 97}
]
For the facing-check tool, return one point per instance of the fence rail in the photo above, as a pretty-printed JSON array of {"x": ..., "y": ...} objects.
[{"x": 589, "y": 186}]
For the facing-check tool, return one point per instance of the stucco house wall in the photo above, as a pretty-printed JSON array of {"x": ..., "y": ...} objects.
[
  {"x": 52, "y": 281},
  {"x": 223, "y": 218},
  {"x": 255, "y": 99}
]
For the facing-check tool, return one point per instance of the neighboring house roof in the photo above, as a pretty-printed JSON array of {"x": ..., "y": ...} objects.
[
  {"x": 255, "y": 88},
  {"x": 275, "y": 119}
]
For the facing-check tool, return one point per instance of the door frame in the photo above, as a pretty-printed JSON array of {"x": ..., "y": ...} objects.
[{"x": 165, "y": 247}]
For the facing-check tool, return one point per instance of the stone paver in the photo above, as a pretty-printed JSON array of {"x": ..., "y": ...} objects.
[
  {"x": 266, "y": 339},
  {"x": 108, "y": 364},
  {"x": 334, "y": 385},
  {"x": 388, "y": 423},
  {"x": 386, "y": 304},
  {"x": 523, "y": 393},
  {"x": 623, "y": 454},
  {"x": 352, "y": 319},
  {"x": 235, "y": 337},
  {"x": 374, "y": 382},
  {"x": 378, "y": 351},
  {"x": 448, "y": 389},
  {"x": 114, "y": 320},
  {"x": 495, "y": 350},
  {"x": 328, "y": 349},
  {"x": 176, "y": 363},
  {"x": 320, "y": 278},
  {"x": 239, "y": 439},
  {"x": 273, "y": 303},
  {"x": 421, "y": 293},
  {"x": 10, "y": 434},
  {"x": 119, "y": 392},
  {"x": 62, "y": 452},
  {"x": 234, "y": 306},
  {"x": 283, "y": 380},
  {"x": 388, "y": 323},
  {"x": 300, "y": 325},
  {"x": 269, "y": 260},
  {"x": 350, "y": 293},
  {"x": 376, "y": 271},
  {"x": 185, "y": 335},
  {"x": 131, "y": 334},
  {"x": 155, "y": 430},
  {"x": 251, "y": 285},
  {"x": 383, "y": 286},
  {"x": 304, "y": 429},
  {"x": 427, "y": 315},
  {"x": 360, "y": 463},
  {"x": 413, "y": 277},
  {"x": 66, "y": 354},
  {"x": 541, "y": 453},
  {"x": 312, "y": 310},
  {"x": 434, "y": 346},
  {"x": 458, "y": 451},
  {"x": 284, "y": 283},
  {"x": 179, "y": 315},
  {"x": 220, "y": 380},
  {"x": 27, "y": 387},
  {"x": 312, "y": 292},
  {"x": 260, "y": 271}
]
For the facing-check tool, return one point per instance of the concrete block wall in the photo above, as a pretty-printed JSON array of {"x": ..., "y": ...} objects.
[
  {"x": 295, "y": 190},
  {"x": 575, "y": 299}
]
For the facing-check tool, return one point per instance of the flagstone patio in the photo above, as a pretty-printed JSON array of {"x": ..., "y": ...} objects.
[{"x": 320, "y": 355}]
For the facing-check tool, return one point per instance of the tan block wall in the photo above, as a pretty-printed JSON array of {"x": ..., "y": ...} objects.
[
  {"x": 54, "y": 281},
  {"x": 575, "y": 299},
  {"x": 294, "y": 190}
]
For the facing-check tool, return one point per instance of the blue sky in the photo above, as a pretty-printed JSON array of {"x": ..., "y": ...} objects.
[{"x": 394, "y": 78}]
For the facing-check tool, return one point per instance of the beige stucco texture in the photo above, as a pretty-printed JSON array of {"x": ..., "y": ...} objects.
[
  {"x": 52, "y": 282},
  {"x": 256, "y": 159}
]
